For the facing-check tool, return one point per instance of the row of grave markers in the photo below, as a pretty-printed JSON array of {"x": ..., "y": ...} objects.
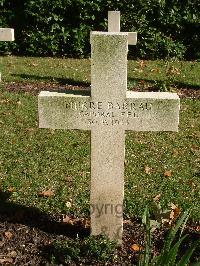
[{"x": 108, "y": 112}]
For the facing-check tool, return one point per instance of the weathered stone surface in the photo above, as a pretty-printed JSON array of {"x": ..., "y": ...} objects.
[
  {"x": 113, "y": 21},
  {"x": 108, "y": 112},
  {"x": 108, "y": 68},
  {"x": 139, "y": 111},
  {"x": 7, "y": 34},
  {"x": 132, "y": 38}
]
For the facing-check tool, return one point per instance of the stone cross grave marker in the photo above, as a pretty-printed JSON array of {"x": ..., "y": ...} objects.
[
  {"x": 108, "y": 112},
  {"x": 6, "y": 35}
]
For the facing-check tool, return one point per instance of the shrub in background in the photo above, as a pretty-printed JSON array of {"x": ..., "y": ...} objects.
[{"x": 62, "y": 27}]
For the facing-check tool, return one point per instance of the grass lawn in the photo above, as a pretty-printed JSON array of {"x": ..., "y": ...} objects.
[{"x": 34, "y": 160}]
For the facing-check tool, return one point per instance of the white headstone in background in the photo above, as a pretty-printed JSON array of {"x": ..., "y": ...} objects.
[
  {"x": 6, "y": 35},
  {"x": 108, "y": 112}
]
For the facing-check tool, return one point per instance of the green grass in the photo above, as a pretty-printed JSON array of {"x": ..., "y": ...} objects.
[
  {"x": 78, "y": 71},
  {"x": 33, "y": 159}
]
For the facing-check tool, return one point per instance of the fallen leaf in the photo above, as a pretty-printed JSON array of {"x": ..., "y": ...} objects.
[
  {"x": 173, "y": 70},
  {"x": 155, "y": 70},
  {"x": 12, "y": 254},
  {"x": 86, "y": 223},
  {"x": 168, "y": 173},
  {"x": 67, "y": 220},
  {"x": 157, "y": 197},
  {"x": 6, "y": 260},
  {"x": 68, "y": 204},
  {"x": 8, "y": 235},
  {"x": 198, "y": 228},
  {"x": 191, "y": 183},
  {"x": 46, "y": 193},
  {"x": 175, "y": 212},
  {"x": 147, "y": 169},
  {"x": 29, "y": 129},
  {"x": 175, "y": 153},
  {"x": 142, "y": 63},
  {"x": 10, "y": 189},
  {"x": 68, "y": 179},
  {"x": 4, "y": 101},
  {"x": 34, "y": 64},
  {"x": 127, "y": 222},
  {"x": 138, "y": 70},
  {"x": 136, "y": 247}
]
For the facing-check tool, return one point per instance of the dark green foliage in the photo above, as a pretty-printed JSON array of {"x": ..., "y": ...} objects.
[
  {"x": 62, "y": 27},
  {"x": 75, "y": 251}
]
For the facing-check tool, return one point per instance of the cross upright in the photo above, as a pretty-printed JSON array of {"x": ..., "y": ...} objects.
[
  {"x": 6, "y": 35},
  {"x": 108, "y": 112}
]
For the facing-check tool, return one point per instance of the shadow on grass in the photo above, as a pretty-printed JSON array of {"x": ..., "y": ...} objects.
[
  {"x": 61, "y": 81},
  {"x": 177, "y": 84},
  {"x": 33, "y": 217}
]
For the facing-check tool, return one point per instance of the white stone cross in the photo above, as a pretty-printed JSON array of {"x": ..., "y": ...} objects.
[
  {"x": 114, "y": 26},
  {"x": 108, "y": 112},
  {"x": 6, "y": 35}
]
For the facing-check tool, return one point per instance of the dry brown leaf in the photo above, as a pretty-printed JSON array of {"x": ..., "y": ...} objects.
[
  {"x": 157, "y": 197},
  {"x": 175, "y": 153},
  {"x": 10, "y": 189},
  {"x": 173, "y": 70},
  {"x": 136, "y": 247},
  {"x": 8, "y": 235},
  {"x": 46, "y": 193},
  {"x": 198, "y": 228},
  {"x": 127, "y": 222},
  {"x": 5, "y": 101},
  {"x": 191, "y": 183},
  {"x": 12, "y": 254},
  {"x": 175, "y": 212},
  {"x": 68, "y": 179},
  {"x": 34, "y": 64},
  {"x": 86, "y": 223},
  {"x": 147, "y": 169},
  {"x": 6, "y": 260},
  {"x": 29, "y": 129},
  {"x": 142, "y": 63},
  {"x": 67, "y": 220},
  {"x": 168, "y": 173},
  {"x": 155, "y": 70}
]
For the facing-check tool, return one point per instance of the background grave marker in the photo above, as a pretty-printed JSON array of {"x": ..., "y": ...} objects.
[
  {"x": 6, "y": 35},
  {"x": 114, "y": 26}
]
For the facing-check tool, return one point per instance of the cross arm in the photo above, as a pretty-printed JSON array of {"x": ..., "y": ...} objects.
[
  {"x": 152, "y": 111},
  {"x": 63, "y": 110},
  {"x": 139, "y": 111}
]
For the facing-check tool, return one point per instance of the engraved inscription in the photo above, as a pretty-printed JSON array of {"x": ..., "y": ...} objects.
[{"x": 109, "y": 113}]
